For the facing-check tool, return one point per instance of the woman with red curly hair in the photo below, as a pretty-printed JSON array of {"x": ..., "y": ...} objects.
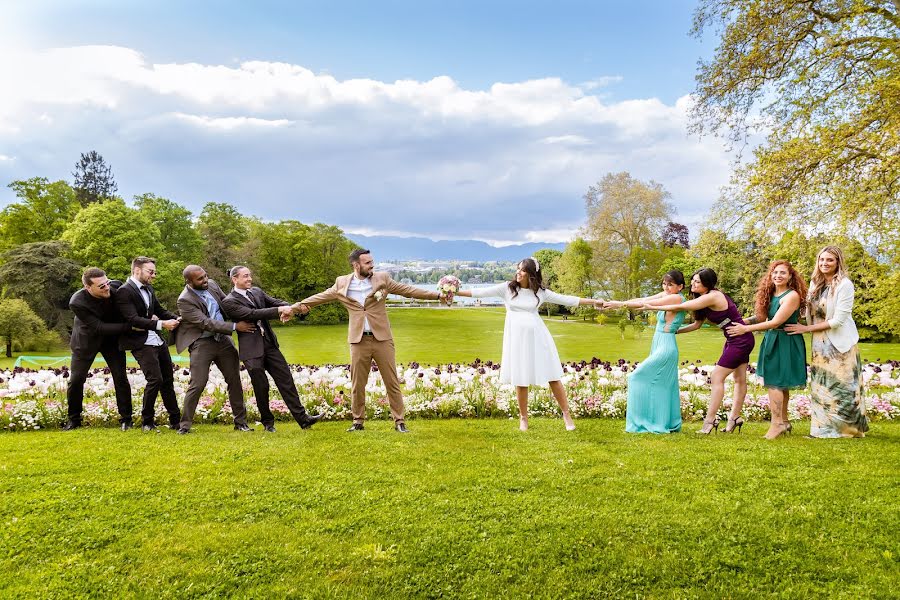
[{"x": 780, "y": 297}]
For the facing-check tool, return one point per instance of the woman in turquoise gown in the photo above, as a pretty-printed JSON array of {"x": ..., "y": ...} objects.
[{"x": 654, "y": 404}]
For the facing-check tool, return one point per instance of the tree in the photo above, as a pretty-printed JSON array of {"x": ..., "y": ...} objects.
[
  {"x": 625, "y": 221},
  {"x": 824, "y": 77},
  {"x": 44, "y": 211},
  {"x": 41, "y": 274},
  {"x": 223, "y": 230},
  {"x": 547, "y": 257},
  {"x": 19, "y": 324},
  {"x": 181, "y": 244},
  {"x": 179, "y": 238},
  {"x": 676, "y": 234},
  {"x": 575, "y": 272},
  {"x": 110, "y": 234},
  {"x": 293, "y": 260},
  {"x": 94, "y": 181}
]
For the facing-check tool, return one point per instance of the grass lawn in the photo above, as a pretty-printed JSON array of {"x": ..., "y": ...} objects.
[
  {"x": 439, "y": 336},
  {"x": 454, "y": 509}
]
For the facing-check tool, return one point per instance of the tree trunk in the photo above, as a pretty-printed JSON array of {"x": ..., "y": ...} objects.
[{"x": 9, "y": 347}]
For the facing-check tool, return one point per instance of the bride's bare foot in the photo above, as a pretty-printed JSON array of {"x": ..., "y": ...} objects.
[
  {"x": 523, "y": 424},
  {"x": 570, "y": 424}
]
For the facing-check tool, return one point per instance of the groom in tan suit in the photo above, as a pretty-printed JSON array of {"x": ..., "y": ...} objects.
[{"x": 363, "y": 293}]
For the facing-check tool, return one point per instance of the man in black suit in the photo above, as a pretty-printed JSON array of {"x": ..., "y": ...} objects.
[
  {"x": 97, "y": 327},
  {"x": 207, "y": 335},
  {"x": 141, "y": 310},
  {"x": 259, "y": 349}
]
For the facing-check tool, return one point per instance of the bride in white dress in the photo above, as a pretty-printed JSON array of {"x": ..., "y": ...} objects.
[{"x": 529, "y": 353}]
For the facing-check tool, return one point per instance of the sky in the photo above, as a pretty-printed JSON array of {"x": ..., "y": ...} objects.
[{"x": 481, "y": 120}]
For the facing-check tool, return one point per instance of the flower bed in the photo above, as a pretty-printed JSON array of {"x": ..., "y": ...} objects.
[{"x": 37, "y": 399}]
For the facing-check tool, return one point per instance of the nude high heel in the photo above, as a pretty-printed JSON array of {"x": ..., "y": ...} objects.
[{"x": 709, "y": 426}]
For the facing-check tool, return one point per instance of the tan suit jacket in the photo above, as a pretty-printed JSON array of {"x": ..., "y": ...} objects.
[{"x": 373, "y": 308}]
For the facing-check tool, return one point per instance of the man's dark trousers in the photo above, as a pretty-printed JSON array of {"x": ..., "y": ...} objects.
[
  {"x": 78, "y": 372},
  {"x": 205, "y": 351},
  {"x": 156, "y": 364}
]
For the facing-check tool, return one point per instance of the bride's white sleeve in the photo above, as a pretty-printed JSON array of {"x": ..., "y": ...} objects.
[
  {"x": 495, "y": 291},
  {"x": 554, "y": 298}
]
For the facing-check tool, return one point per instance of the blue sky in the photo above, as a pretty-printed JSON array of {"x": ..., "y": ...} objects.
[{"x": 483, "y": 120}]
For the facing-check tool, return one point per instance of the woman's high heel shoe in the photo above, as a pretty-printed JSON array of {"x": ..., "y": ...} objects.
[
  {"x": 708, "y": 427},
  {"x": 734, "y": 424},
  {"x": 784, "y": 430}
]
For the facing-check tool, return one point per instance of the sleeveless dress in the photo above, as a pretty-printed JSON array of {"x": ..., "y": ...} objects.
[
  {"x": 737, "y": 349},
  {"x": 782, "y": 357},
  {"x": 529, "y": 353},
  {"x": 836, "y": 404},
  {"x": 654, "y": 405}
]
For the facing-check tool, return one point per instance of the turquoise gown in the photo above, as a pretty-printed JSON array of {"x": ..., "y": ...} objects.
[{"x": 654, "y": 405}]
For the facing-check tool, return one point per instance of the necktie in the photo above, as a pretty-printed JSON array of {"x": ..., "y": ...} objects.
[{"x": 259, "y": 324}]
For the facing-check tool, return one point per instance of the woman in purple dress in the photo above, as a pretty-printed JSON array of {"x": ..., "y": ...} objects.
[{"x": 709, "y": 304}]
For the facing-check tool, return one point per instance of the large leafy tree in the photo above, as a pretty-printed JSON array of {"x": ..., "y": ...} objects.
[
  {"x": 823, "y": 78},
  {"x": 43, "y": 212},
  {"x": 293, "y": 260},
  {"x": 19, "y": 325},
  {"x": 181, "y": 244},
  {"x": 626, "y": 218},
  {"x": 575, "y": 272},
  {"x": 110, "y": 234},
  {"x": 224, "y": 230},
  {"x": 93, "y": 179},
  {"x": 547, "y": 258},
  {"x": 41, "y": 274}
]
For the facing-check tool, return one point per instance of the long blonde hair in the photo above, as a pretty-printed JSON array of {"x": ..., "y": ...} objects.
[{"x": 818, "y": 279}]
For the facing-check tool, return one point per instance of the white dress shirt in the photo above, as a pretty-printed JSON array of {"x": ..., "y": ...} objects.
[
  {"x": 256, "y": 303},
  {"x": 359, "y": 290}
]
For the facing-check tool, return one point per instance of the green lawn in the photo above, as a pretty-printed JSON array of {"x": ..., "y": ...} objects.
[
  {"x": 470, "y": 509},
  {"x": 438, "y": 336}
]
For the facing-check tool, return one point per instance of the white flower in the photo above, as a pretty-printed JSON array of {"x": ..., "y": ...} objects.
[{"x": 379, "y": 295}]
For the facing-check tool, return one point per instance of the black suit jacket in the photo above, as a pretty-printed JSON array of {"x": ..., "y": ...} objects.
[
  {"x": 97, "y": 320},
  {"x": 250, "y": 345},
  {"x": 138, "y": 315}
]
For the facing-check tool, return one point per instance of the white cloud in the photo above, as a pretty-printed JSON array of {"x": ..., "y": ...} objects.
[{"x": 425, "y": 157}]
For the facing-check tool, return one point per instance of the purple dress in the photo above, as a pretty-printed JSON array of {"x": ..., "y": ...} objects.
[{"x": 737, "y": 349}]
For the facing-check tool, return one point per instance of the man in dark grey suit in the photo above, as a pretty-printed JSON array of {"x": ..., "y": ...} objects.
[
  {"x": 97, "y": 327},
  {"x": 259, "y": 350},
  {"x": 207, "y": 335}
]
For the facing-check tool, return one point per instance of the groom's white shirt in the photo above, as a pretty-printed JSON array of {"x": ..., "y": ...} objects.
[{"x": 359, "y": 290}]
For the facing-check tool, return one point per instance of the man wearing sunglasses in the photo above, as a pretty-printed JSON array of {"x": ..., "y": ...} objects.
[
  {"x": 138, "y": 304},
  {"x": 97, "y": 327}
]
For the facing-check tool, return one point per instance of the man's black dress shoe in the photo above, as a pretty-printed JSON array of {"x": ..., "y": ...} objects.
[
  {"x": 356, "y": 427},
  {"x": 401, "y": 427},
  {"x": 270, "y": 428},
  {"x": 70, "y": 425},
  {"x": 183, "y": 431},
  {"x": 308, "y": 421},
  {"x": 149, "y": 428},
  {"x": 126, "y": 426},
  {"x": 243, "y": 428}
]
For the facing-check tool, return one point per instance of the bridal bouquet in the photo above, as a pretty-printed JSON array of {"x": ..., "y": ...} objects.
[{"x": 447, "y": 286}]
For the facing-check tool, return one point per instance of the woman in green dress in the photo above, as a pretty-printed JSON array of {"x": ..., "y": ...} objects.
[
  {"x": 836, "y": 390},
  {"x": 780, "y": 297}
]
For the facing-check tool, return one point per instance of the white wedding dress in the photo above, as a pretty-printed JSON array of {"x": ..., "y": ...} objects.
[{"x": 529, "y": 353}]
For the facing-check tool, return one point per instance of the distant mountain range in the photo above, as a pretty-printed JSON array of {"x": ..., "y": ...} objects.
[{"x": 389, "y": 248}]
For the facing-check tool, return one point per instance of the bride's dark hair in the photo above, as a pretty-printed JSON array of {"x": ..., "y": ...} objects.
[{"x": 535, "y": 281}]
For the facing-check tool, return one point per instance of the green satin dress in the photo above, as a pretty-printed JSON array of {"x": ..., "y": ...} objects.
[{"x": 782, "y": 357}]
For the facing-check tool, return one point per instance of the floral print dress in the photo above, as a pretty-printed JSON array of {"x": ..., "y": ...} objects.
[{"x": 837, "y": 407}]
